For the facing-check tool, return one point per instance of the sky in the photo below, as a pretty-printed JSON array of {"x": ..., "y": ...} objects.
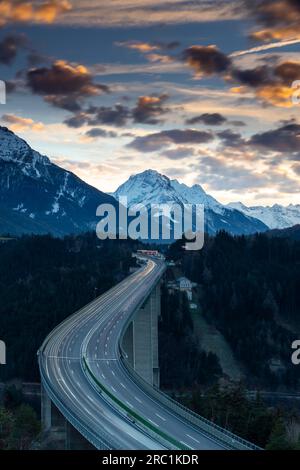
[{"x": 202, "y": 91}]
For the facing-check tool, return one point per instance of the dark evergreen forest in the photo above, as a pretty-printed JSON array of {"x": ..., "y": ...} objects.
[
  {"x": 249, "y": 289},
  {"x": 45, "y": 279}
]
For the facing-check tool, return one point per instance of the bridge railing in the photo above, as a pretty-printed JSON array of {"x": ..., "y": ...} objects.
[
  {"x": 103, "y": 443},
  {"x": 210, "y": 429}
]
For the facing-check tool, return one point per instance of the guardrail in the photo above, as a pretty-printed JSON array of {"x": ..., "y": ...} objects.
[
  {"x": 160, "y": 436},
  {"x": 207, "y": 427},
  {"x": 210, "y": 429},
  {"x": 103, "y": 443}
]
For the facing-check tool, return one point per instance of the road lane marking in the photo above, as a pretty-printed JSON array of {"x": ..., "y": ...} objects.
[
  {"x": 122, "y": 385},
  {"x": 137, "y": 399},
  {"x": 191, "y": 437},
  {"x": 155, "y": 424},
  {"x": 185, "y": 444},
  {"x": 160, "y": 417},
  {"x": 113, "y": 388},
  {"x": 102, "y": 375},
  {"x": 113, "y": 373},
  {"x": 129, "y": 404}
]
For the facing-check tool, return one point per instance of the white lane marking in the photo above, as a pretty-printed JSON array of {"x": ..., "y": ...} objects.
[
  {"x": 122, "y": 385},
  {"x": 191, "y": 437},
  {"x": 113, "y": 389},
  {"x": 113, "y": 373},
  {"x": 164, "y": 419},
  {"x": 102, "y": 375},
  {"x": 185, "y": 444},
  {"x": 105, "y": 353},
  {"x": 129, "y": 404},
  {"x": 155, "y": 424},
  {"x": 98, "y": 365},
  {"x": 137, "y": 399}
]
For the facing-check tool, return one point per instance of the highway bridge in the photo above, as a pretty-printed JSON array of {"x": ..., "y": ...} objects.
[{"x": 87, "y": 375}]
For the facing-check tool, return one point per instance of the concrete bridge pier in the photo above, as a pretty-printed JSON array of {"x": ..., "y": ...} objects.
[
  {"x": 58, "y": 433},
  {"x": 140, "y": 341}
]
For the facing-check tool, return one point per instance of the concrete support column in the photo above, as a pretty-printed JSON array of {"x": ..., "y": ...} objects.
[{"x": 140, "y": 341}]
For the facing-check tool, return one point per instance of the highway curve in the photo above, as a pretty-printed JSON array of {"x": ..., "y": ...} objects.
[{"x": 83, "y": 373}]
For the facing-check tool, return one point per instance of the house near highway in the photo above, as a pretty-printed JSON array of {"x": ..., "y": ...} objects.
[{"x": 182, "y": 284}]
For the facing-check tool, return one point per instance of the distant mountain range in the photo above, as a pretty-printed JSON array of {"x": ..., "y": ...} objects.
[
  {"x": 275, "y": 217},
  {"x": 37, "y": 196},
  {"x": 150, "y": 187}
]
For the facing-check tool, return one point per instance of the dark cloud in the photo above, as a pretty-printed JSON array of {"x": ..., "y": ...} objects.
[
  {"x": 116, "y": 116},
  {"x": 279, "y": 19},
  {"x": 64, "y": 85},
  {"x": 230, "y": 138},
  {"x": 210, "y": 119},
  {"x": 285, "y": 139},
  {"x": 70, "y": 103},
  {"x": 288, "y": 72},
  {"x": 97, "y": 132},
  {"x": 76, "y": 121},
  {"x": 271, "y": 83},
  {"x": 179, "y": 153},
  {"x": 252, "y": 77},
  {"x": 10, "y": 46},
  {"x": 159, "y": 140},
  {"x": 149, "y": 109},
  {"x": 207, "y": 60},
  {"x": 238, "y": 123},
  {"x": 63, "y": 78}
]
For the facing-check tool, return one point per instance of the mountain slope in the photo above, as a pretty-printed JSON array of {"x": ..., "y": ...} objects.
[
  {"x": 275, "y": 217},
  {"x": 37, "y": 196},
  {"x": 291, "y": 232},
  {"x": 151, "y": 187}
]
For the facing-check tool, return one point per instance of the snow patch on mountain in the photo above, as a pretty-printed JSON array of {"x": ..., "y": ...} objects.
[
  {"x": 152, "y": 188},
  {"x": 275, "y": 217}
]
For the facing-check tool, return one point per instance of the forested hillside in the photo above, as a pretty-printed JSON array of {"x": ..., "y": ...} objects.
[
  {"x": 182, "y": 362},
  {"x": 250, "y": 290},
  {"x": 45, "y": 279}
]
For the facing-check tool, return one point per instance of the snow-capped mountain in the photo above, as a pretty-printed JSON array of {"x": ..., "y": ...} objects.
[
  {"x": 37, "y": 196},
  {"x": 151, "y": 187},
  {"x": 275, "y": 217}
]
